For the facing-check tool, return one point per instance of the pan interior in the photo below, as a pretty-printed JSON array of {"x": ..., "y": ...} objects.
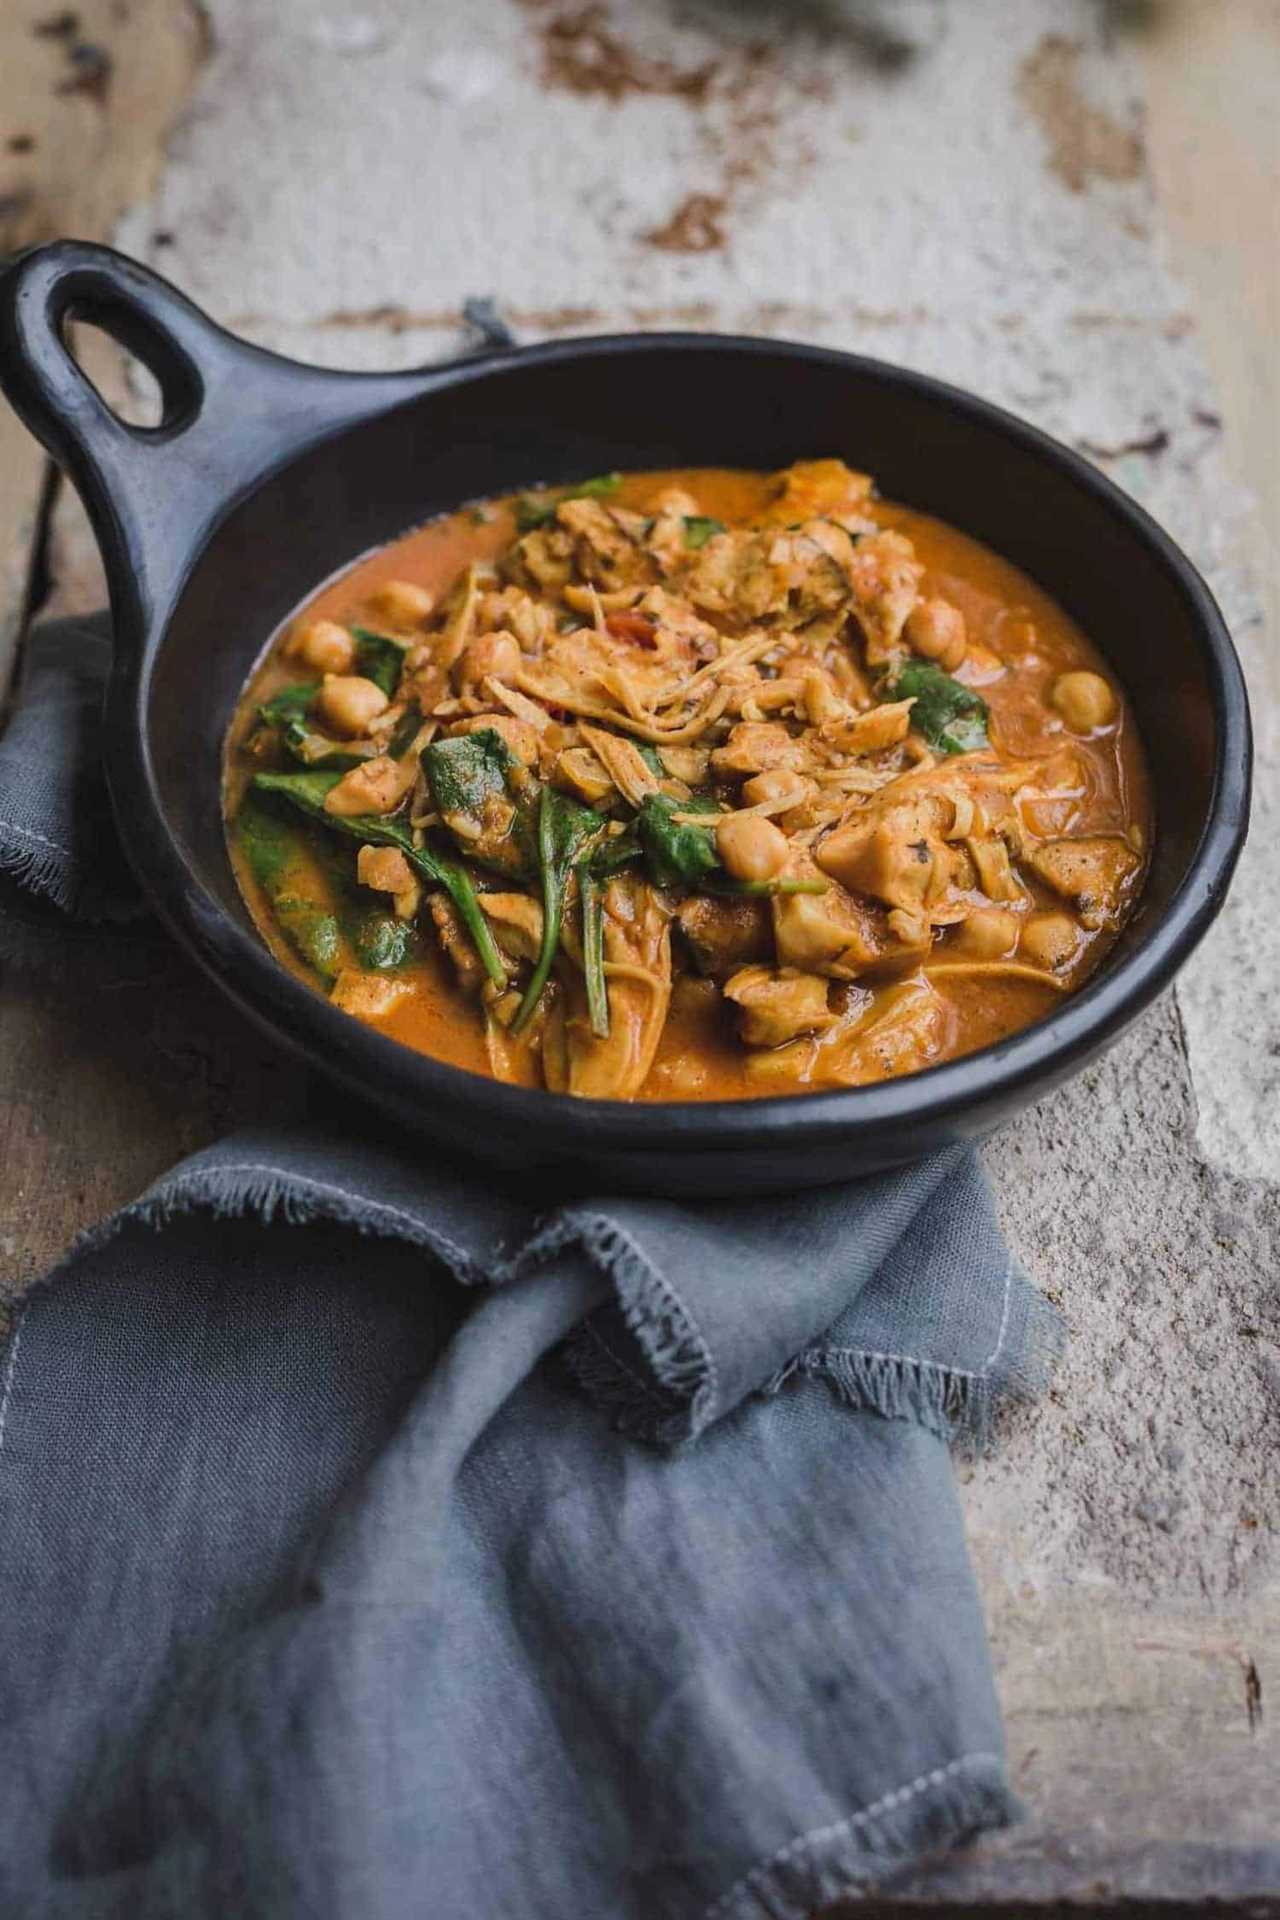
[{"x": 518, "y": 424}]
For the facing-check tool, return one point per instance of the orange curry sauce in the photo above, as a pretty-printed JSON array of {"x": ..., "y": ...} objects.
[{"x": 1021, "y": 643}]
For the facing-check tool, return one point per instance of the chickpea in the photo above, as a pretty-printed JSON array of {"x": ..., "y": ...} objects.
[
  {"x": 1049, "y": 940},
  {"x": 752, "y": 848},
  {"x": 779, "y": 783},
  {"x": 349, "y": 703},
  {"x": 323, "y": 646},
  {"x": 490, "y": 656},
  {"x": 402, "y": 602},
  {"x": 989, "y": 933},
  {"x": 936, "y": 629},
  {"x": 1084, "y": 700}
]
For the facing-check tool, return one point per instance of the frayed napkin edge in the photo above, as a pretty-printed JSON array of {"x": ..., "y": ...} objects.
[
  {"x": 51, "y": 877},
  {"x": 959, "y": 1404},
  {"x": 270, "y": 1193},
  {"x": 687, "y": 1395}
]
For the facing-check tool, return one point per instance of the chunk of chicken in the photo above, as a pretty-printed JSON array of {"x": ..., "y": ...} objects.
[
  {"x": 385, "y": 870},
  {"x": 1093, "y": 875},
  {"x": 895, "y": 859},
  {"x": 897, "y": 847},
  {"x": 882, "y": 726},
  {"x": 885, "y": 577},
  {"x": 541, "y": 561},
  {"x": 606, "y": 540},
  {"x": 516, "y": 920},
  {"x": 733, "y": 576},
  {"x": 757, "y": 746},
  {"x": 810, "y": 487},
  {"x": 456, "y": 943},
  {"x": 637, "y": 951},
  {"x": 725, "y": 934},
  {"x": 623, "y": 762},
  {"x": 901, "y": 1030},
  {"x": 831, "y": 933},
  {"x": 518, "y": 734},
  {"x": 778, "y": 1004},
  {"x": 511, "y": 608},
  {"x": 578, "y": 769},
  {"x": 375, "y": 786},
  {"x": 369, "y": 996}
]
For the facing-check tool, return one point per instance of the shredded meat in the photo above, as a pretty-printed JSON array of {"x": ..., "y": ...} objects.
[{"x": 780, "y": 733}]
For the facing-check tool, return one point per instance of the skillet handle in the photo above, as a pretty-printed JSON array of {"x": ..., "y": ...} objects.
[{"x": 231, "y": 411}]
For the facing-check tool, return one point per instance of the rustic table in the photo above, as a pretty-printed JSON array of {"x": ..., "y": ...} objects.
[{"x": 1069, "y": 205}]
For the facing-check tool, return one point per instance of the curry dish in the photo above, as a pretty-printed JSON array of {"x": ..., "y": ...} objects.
[{"x": 686, "y": 786}]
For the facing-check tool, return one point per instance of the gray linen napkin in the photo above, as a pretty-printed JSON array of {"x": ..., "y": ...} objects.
[{"x": 325, "y": 1589}]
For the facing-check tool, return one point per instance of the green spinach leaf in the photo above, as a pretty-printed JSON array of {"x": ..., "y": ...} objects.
[
  {"x": 686, "y": 856},
  {"x": 677, "y": 856},
  {"x": 950, "y": 717},
  {"x": 307, "y": 792},
  {"x": 405, "y": 731},
  {"x": 291, "y": 703},
  {"x": 271, "y": 848},
  {"x": 590, "y": 895},
  {"x": 382, "y": 941},
  {"x": 565, "y": 833},
  {"x": 699, "y": 528},
  {"x": 287, "y": 711},
  {"x": 534, "y": 510},
  {"x": 486, "y": 800},
  {"x": 379, "y": 658},
  {"x": 318, "y": 750}
]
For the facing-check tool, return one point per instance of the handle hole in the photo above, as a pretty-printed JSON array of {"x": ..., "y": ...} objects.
[
  {"x": 124, "y": 383},
  {"x": 143, "y": 378}
]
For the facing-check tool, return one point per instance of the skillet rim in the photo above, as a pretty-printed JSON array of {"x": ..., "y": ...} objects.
[{"x": 359, "y": 1057}]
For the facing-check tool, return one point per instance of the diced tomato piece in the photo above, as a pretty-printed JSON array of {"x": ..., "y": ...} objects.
[{"x": 632, "y": 626}]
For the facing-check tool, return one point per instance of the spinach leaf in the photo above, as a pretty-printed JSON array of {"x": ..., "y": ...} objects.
[
  {"x": 950, "y": 716},
  {"x": 565, "y": 832},
  {"x": 382, "y": 941},
  {"x": 466, "y": 770},
  {"x": 291, "y": 703},
  {"x": 287, "y": 713},
  {"x": 699, "y": 528},
  {"x": 593, "y": 950},
  {"x": 686, "y": 856},
  {"x": 615, "y": 852},
  {"x": 598, "y": 487},
  {"x": 404, "y": 731},
  {"x": 307, "y": 792},
  {"x": 272, "y": 849},
  {"x": 318, "y": 750},
  {"x": 473, "y": 781},
  {"x": 534, "y": 510},
  {"x": 379, "y": 658},
  {"x": 677, "y": 856},
  {"x": 649, "y": 754}
]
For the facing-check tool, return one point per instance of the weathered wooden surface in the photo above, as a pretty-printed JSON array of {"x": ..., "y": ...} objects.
[{"x": 996, "y": 192}]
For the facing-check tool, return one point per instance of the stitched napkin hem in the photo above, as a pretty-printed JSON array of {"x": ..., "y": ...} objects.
[{"x": 938, "y": 1809}]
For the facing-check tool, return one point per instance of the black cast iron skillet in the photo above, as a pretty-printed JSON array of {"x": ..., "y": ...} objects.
[{"x": 265, "y": 476}]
